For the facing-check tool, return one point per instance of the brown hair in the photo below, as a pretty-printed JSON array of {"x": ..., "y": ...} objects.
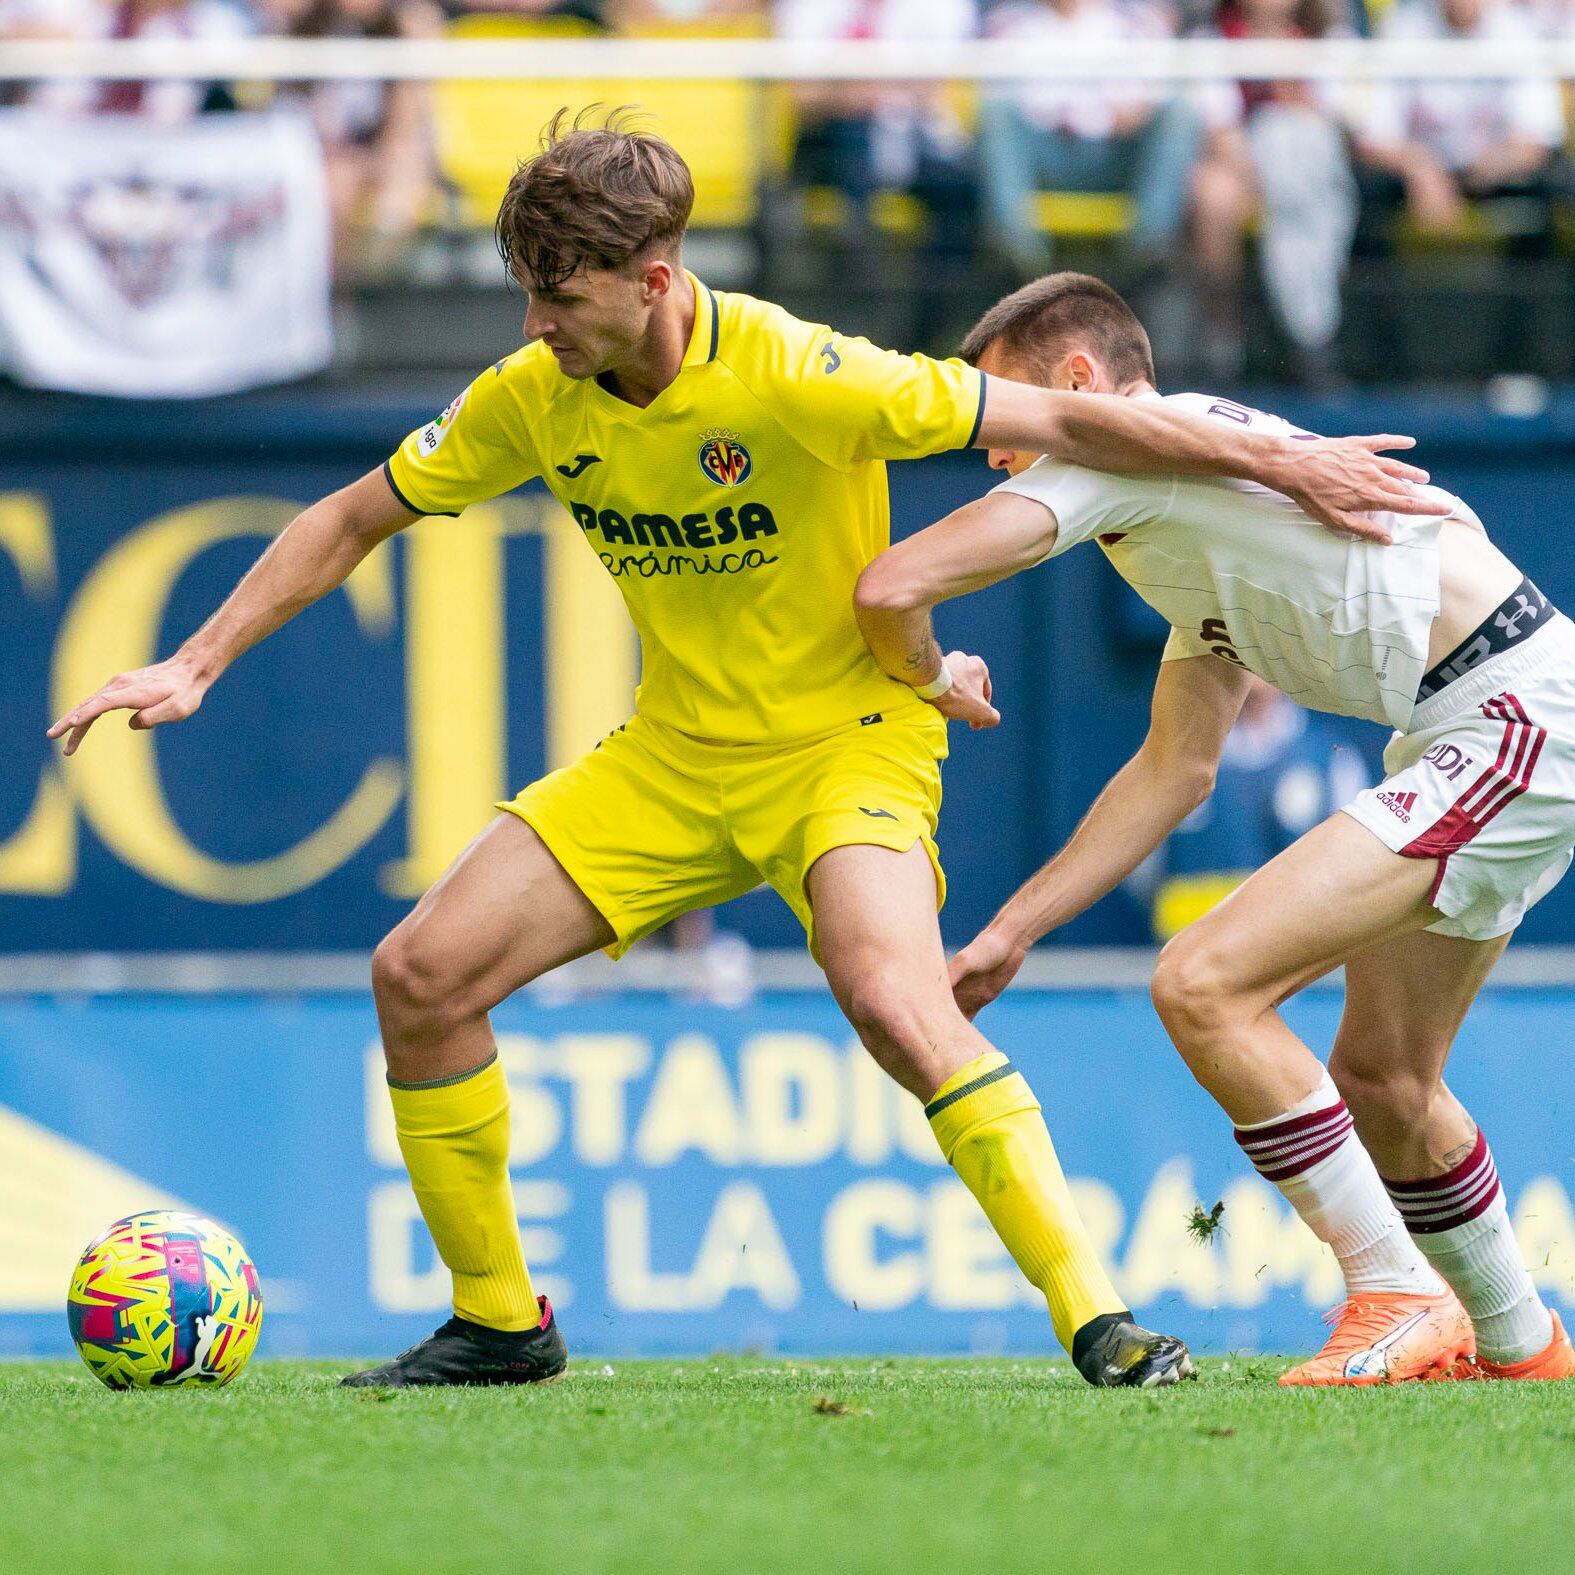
[
  {"x": 1034, "y": 323},
  {"x": 595, "y": 196}
]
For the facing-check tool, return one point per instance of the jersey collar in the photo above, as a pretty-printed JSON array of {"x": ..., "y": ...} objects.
[
  {"x": 702, "y": 349},
  {"x": 704, "y": 338}
]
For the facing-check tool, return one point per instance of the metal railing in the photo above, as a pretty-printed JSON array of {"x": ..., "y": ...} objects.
[{"x": 781, "y": 60}]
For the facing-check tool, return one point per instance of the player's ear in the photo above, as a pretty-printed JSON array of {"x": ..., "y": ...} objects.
[
  {"x": 656, "y": 279},
  {"x": 1081, "y": 372}
]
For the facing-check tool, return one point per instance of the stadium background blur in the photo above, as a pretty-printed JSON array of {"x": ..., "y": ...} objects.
[{"x": 703, "y": 1157}]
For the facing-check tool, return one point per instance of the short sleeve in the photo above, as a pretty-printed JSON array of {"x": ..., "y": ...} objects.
[
  {"x": 849, "y": 402},
  {"x": 477, "y": 449},
  {"x": 1089, "y": 503},
  {"x": 1182, "y": 644}
]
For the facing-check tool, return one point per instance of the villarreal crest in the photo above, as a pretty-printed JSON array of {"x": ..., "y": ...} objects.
[{"x": 724, "y": 459}]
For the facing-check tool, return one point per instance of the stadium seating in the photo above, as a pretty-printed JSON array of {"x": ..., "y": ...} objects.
[
  {"x": 754, "y": 218},
  {"x": 484, "y": 128},
  {"x": 734, "y": 134}
]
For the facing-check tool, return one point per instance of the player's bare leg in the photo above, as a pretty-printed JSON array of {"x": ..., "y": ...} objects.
[
  {"x": 1335, "y": 894},
  {"x": 504, "y": 914},
  {"x": 876, "y": 930},
  {"x": 1405, "y": 1000},
  {"x": 1404, "y": 1003}
]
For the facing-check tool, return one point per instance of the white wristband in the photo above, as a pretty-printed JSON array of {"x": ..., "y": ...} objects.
[{"x": 937, "y": 686}]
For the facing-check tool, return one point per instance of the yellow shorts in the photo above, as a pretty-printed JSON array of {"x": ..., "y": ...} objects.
[{"x": 652, "y": 823}]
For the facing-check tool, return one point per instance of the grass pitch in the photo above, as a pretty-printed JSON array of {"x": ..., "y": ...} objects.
[{"x": 762, "y": 1465}]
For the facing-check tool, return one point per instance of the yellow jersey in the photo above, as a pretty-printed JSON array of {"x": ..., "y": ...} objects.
[{"x": 735, "y": 511}]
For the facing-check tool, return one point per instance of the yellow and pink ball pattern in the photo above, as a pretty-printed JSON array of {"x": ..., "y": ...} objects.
[{"x": 165, "y": 1298}]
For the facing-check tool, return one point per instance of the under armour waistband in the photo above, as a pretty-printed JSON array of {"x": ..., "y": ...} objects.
[{"x": 1517, "y": 618}]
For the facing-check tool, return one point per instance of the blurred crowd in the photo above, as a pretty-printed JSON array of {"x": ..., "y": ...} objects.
[
  {"x": 1308, "y": 170},
  {"x": 1297, "y": 174}
]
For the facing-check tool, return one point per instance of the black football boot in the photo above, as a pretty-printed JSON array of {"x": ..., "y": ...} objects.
[
  {"x": 462, "y": 1352},
  {"x": 1112, "y": 1352}
]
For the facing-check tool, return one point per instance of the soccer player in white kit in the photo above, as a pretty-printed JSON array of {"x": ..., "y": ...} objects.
[{"x": 1415, "y": 887}]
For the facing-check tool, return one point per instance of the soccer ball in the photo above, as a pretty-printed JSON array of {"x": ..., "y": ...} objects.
[{"x": 164, "y": 1298}]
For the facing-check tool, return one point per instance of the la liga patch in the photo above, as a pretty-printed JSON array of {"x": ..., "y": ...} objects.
[{"x": 430, "y": 439}]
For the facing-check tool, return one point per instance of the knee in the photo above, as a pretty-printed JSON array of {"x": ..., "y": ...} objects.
[
  {"x": 416, "y": 985},
  {"x": 1192, "y": 993},
  {"x": 888, "y": 1022}
]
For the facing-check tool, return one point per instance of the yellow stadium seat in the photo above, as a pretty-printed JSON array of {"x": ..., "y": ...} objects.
[
  {"x": 1080, "y": 215},
  {"x": 484, "y": 128},
  {"x": 1089, "y": 215}
]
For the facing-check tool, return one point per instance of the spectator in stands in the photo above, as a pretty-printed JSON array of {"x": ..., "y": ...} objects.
[
  {"x": 1132, "y": 137},
  {"x": 1276, "y": 151},
  {"x": 1284, "y": 769},
  {"x": 1435, "y": 146},
  {"x": 166, "y": 101},
  {"x": 864, "y": 137},
  {"x": 169, "y": 102},
  {"x": 59, "y": 19},
  {"x": 1555, "y": 20},
  {"x": 376, "y": 136}
]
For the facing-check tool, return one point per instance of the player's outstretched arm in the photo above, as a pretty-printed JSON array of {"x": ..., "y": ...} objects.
[
  {"x": 1338, "y": 481},
  {"x": 312, "y": 555},
  {"x": 1196, "y": 702},
  {"x": 973, "y": 547}
]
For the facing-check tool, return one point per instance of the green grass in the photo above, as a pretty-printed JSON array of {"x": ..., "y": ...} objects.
[{"x": 749, "y": 1465}]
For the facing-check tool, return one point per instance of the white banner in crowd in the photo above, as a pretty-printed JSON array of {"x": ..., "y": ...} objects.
[{"x": 162, "y": 261}]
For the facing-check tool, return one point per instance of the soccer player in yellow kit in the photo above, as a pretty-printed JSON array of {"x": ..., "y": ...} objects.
[{"x": 724, "y": 461}]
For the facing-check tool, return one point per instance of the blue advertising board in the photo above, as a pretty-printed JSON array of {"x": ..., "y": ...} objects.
[
  {"x": 332, "y": 774},
  {"x": 690, "y": 1178}
]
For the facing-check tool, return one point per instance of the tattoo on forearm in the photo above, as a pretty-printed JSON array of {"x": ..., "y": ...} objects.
[{"x": 917, "y": 661}]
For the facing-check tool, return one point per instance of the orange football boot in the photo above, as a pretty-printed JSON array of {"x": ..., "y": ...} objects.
[
  {"x": 1389, "y": 1337},
  {"x": 1555, "y": 1360}
]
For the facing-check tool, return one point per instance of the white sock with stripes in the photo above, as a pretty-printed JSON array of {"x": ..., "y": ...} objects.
[
  {"x": 1461, "y": 1222},
  {"x": 1312, "y": 1154}
]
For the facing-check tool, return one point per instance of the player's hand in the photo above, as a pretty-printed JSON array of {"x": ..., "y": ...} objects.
[
  {"x": 165, "y": 692},
  {"x": 968, "y": 699},
  {"x": 982, "y": 969},
  {"x": 1341, "y": 482}
]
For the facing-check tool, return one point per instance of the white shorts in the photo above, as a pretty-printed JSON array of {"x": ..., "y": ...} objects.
[{"x": 1484, "y": 782}]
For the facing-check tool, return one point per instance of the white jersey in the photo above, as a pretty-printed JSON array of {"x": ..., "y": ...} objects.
[{"x": 1241, "y": 572}]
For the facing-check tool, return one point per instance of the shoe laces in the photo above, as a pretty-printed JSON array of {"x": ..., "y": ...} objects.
[{"x": 1358, "y": 1320}]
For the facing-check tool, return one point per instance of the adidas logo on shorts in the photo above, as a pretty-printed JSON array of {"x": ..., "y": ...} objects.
[{"x": 1401, "y": 803}]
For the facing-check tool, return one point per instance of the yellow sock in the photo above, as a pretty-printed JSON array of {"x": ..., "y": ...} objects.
[
  {"x": 454, "y": 1134},
  {"x": 988, "y": 1124}
]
